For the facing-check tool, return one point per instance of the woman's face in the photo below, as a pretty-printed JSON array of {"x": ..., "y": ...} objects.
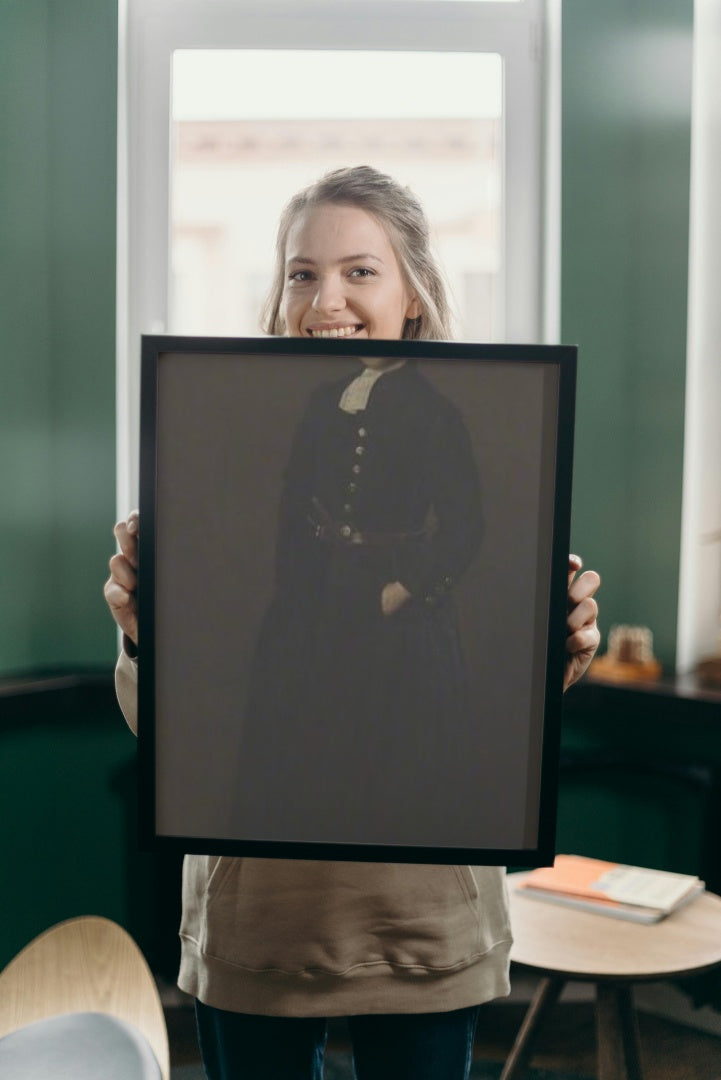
[{"x": 342, "y": 277}]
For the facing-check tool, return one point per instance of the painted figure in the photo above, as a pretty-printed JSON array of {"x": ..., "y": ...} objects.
[{"x": 381, "y": 498}]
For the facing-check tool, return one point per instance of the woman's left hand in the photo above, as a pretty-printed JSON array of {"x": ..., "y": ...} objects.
[{"x": 583, "y": 636}]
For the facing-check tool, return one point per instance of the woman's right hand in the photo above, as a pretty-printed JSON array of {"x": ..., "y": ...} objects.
[{"x": 121, "y": 587}]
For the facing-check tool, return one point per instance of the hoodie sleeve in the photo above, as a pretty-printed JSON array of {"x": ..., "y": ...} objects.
[{"x": 126, "y": 688}]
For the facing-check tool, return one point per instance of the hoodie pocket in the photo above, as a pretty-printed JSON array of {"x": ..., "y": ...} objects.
[{"x": 293, "y": 916}]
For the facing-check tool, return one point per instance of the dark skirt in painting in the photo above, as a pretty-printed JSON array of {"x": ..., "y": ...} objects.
[{"x": 349, "y": 706}]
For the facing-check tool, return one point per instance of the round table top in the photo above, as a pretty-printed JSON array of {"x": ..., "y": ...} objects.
[{"x": 559, "y": 940}]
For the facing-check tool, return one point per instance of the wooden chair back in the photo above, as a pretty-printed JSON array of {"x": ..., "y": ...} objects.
[{"x": 87, "y": 964}]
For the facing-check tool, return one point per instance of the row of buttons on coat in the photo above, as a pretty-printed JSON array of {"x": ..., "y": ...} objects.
[
  {"x": 346, "y": 530},
  {"x": 352, "y": 487}
]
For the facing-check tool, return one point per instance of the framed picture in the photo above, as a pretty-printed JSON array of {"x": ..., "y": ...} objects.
[{"x": 353, "y": 571}]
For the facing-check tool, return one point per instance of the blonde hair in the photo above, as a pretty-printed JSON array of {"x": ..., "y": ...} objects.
[{"x": 400, "y": 212}]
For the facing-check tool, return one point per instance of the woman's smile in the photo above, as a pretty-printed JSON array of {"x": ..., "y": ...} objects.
[{"x": 334, "y": 331}]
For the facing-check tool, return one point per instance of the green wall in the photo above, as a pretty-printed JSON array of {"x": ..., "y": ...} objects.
[
  {"x": 66, "y": 801},
  {"x": 69, "y": 809},
  {"x": 58, "y": 73},
  {"x": 67, "y": 761},
  {"x": 625, "y": 201}
]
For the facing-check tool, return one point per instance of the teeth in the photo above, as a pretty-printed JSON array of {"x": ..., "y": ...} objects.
[{"x": 335, "y": 332}]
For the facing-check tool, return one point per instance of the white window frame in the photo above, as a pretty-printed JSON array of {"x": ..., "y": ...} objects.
[
  {"x": 526, "y": 34},
  {"x": 699, "y": 597}
]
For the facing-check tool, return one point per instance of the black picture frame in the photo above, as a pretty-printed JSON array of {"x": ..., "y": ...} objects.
[{"x": 378, "y": 780}]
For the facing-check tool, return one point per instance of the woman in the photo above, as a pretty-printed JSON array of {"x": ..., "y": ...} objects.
[{"x": 271, "y": 948}]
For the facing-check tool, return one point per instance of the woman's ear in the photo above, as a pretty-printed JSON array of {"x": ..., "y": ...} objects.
[{"x": 415, "y": 309}]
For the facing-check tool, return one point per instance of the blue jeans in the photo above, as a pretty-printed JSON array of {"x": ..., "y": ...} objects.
[{"x": 414, "y": 1046}]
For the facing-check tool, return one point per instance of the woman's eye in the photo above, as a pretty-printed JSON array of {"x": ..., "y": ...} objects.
[
  {"x": 362, "y": 272},
  {"x": 300, "y": 276}
]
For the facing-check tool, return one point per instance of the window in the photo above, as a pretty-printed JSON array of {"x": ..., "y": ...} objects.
[{"x": 215, "y": 135}]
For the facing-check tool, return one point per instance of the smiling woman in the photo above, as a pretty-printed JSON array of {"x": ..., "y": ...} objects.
[
  {"x": 353, "y": 259},
  {"x": 358, "y": 694},
  {"x": 344, "y": 295}
]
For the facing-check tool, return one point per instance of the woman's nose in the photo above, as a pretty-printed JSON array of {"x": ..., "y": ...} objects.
[{"x": 329, "y": 296}]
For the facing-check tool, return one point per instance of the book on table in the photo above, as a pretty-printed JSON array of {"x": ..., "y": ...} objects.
[{"x": 609, "y": 888}]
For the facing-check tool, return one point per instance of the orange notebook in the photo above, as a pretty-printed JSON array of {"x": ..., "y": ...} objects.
[{"x": 632, "y": 892}]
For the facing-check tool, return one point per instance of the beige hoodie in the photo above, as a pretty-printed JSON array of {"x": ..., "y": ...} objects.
[{"x": 285, "y": 937}]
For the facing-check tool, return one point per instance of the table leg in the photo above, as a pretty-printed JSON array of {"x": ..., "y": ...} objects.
[
  {"x": 617, "y": 1033},
  {"x": 545, "y": 997}
]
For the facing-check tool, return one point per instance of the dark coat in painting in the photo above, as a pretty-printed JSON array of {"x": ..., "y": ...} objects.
[{"x": 343, "y": 696}]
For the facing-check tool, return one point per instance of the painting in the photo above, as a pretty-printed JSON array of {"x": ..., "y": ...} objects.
[{"x": 352, "y": 597}]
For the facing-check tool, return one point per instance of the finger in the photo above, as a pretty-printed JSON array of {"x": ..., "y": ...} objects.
[
  {"x": 583, "y": 641},
  {"x": 582, "y": 614},
  {"x": 126, "y": 534},
  {"x": 119, "y": 599},
  {"x": 123, "y": 608},
  {"x": 585, "y": 585},
  {"x": 575, "y": 562},
  {"x": 123, "y": 573}
]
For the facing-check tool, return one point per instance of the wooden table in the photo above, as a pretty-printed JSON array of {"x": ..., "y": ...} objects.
[{"x": 563, "y": 944}]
